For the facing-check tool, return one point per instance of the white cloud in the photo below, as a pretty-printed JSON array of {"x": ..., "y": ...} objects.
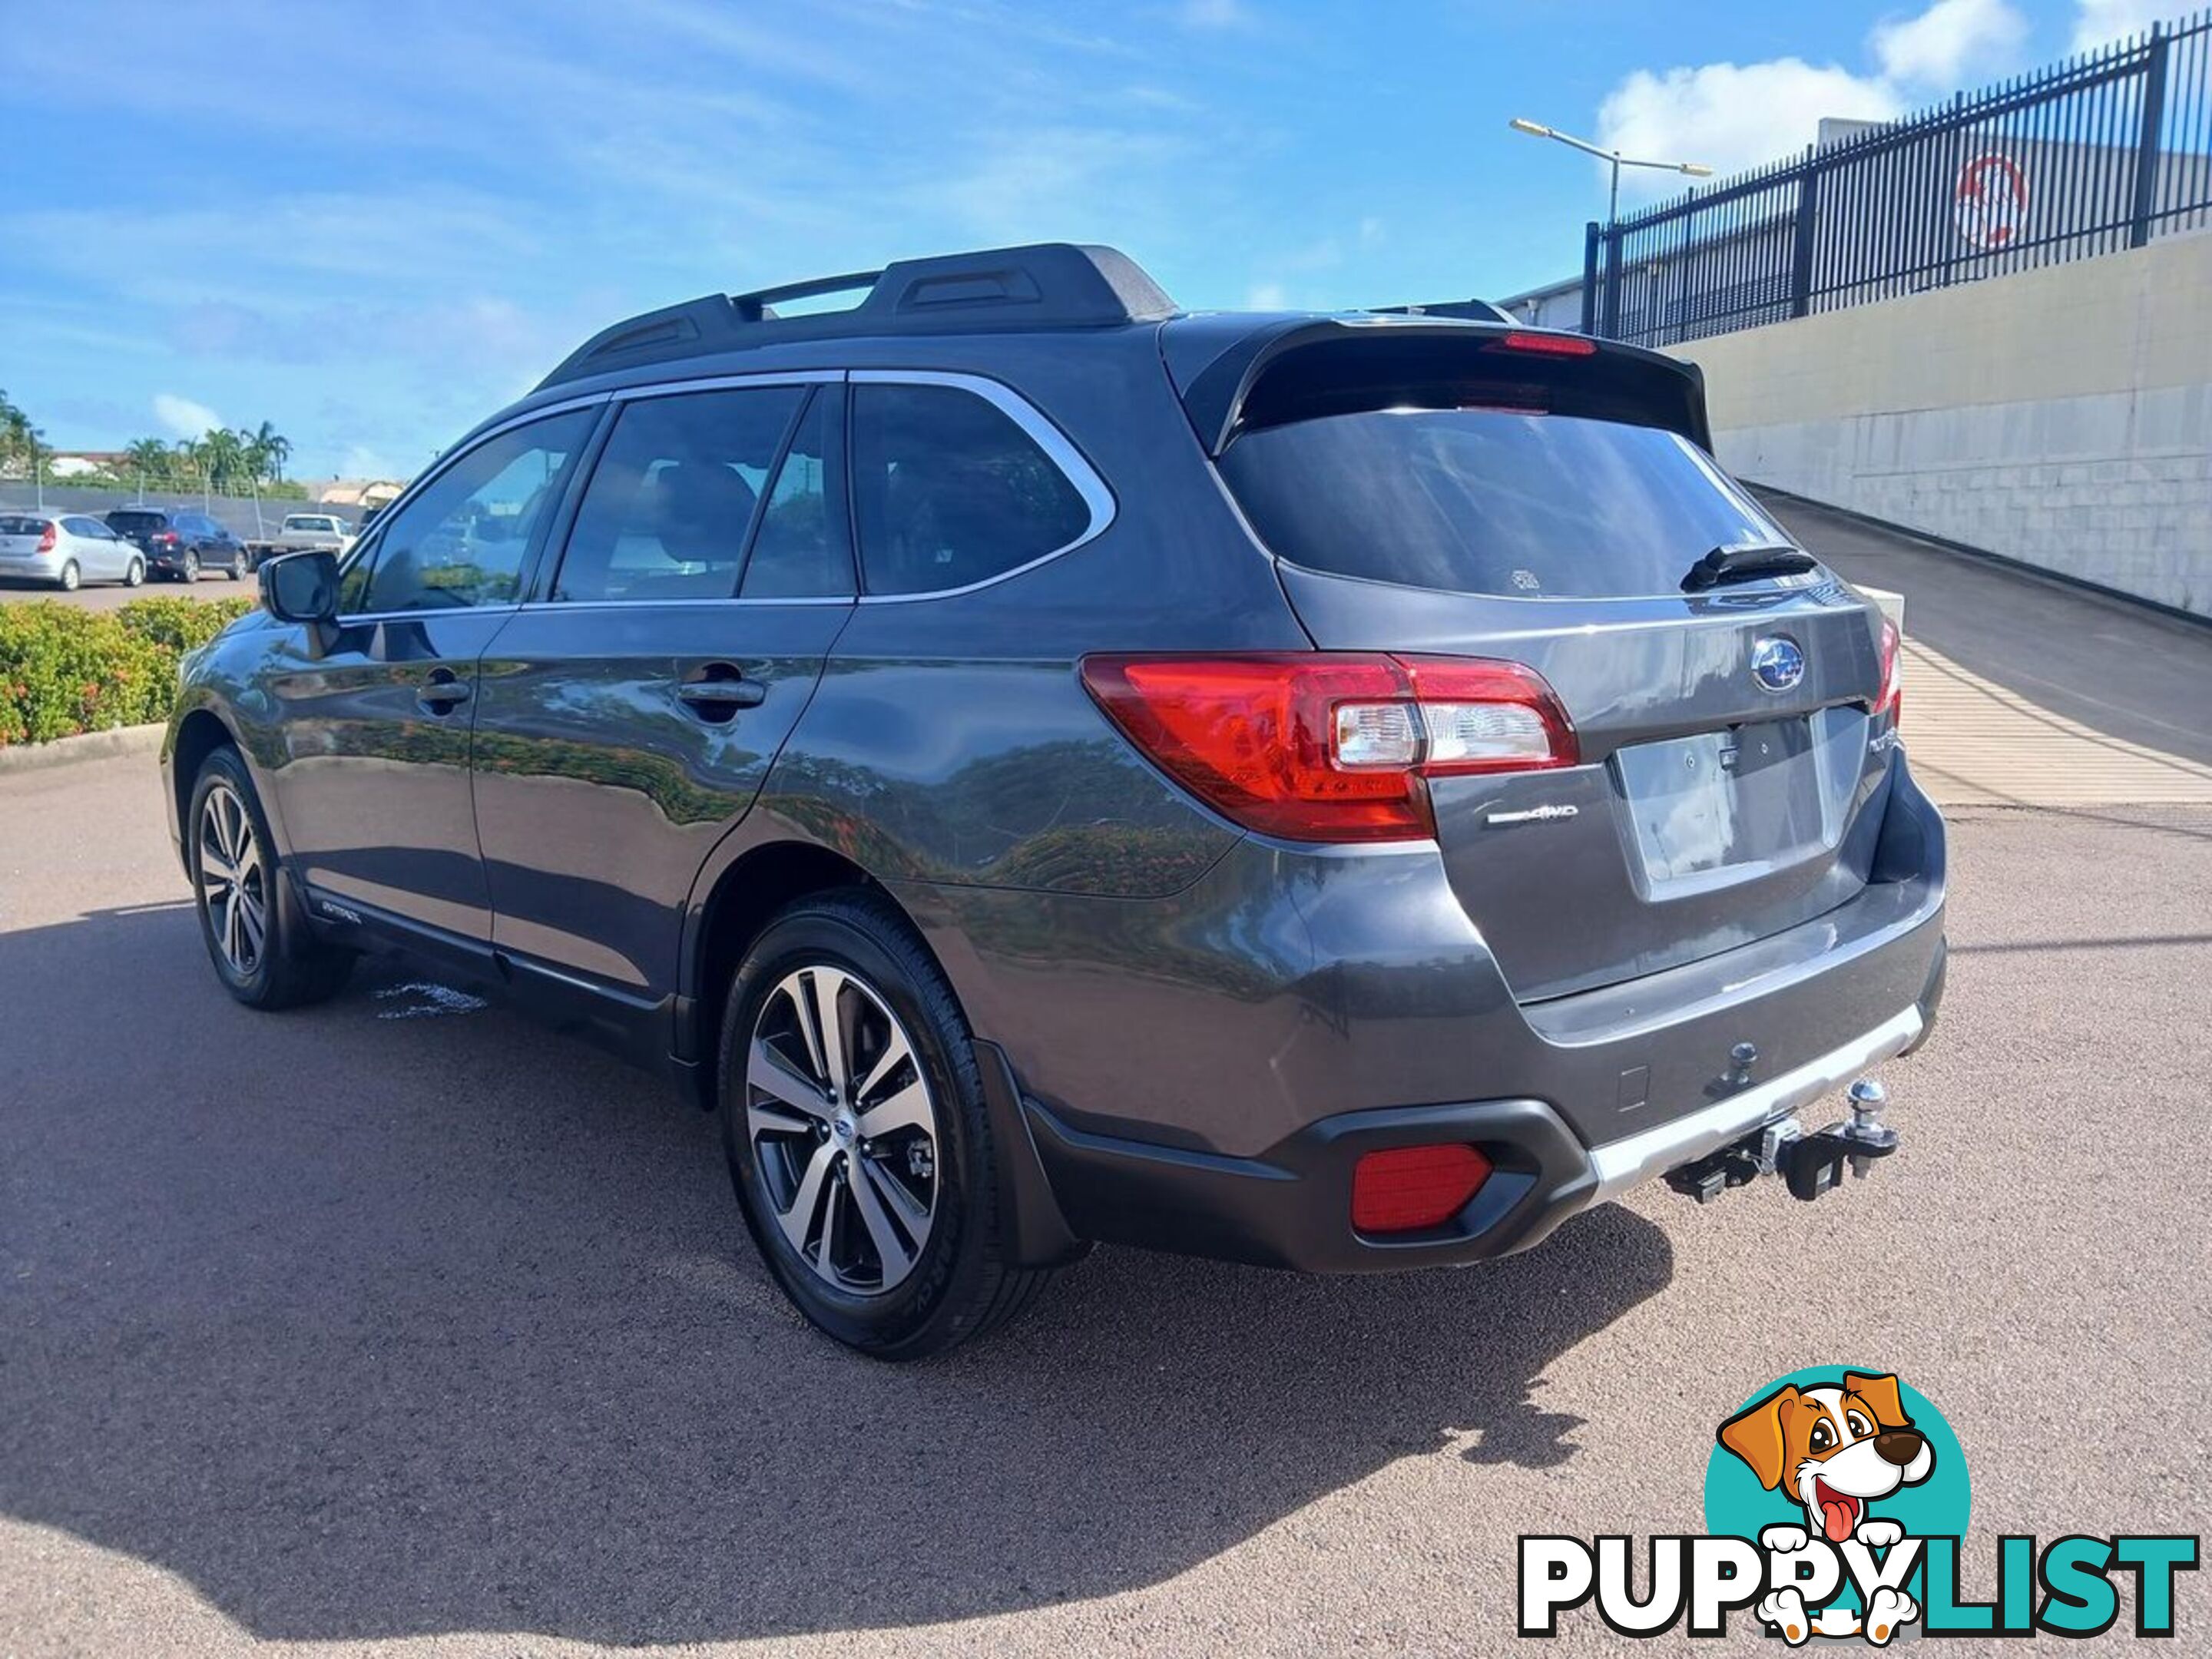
[
  {"x": 1732, "y": 116},
  {"x": 1267, "y": 296},
  {"x": 1729, "y": 116},
  {"x": 2099, "y": 21},
  {"x": 360, "y": 461},
  {"x": 1950, "y": 44},
  {"x": 183, "y": 417}
]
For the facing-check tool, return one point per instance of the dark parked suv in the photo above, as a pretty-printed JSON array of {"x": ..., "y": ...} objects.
[
  {"x": 180, "y": 545},
  {"x": 1339, "y": 791}
]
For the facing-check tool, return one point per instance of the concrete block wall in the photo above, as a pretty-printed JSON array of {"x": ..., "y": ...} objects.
[{"x": 2060, "y": 416}]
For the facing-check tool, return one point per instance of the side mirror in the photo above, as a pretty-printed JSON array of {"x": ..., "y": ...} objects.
[{"x": 301, "y": 587}]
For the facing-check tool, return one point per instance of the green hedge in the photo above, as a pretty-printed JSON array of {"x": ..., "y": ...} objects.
[{"x": 64, "y": 670}]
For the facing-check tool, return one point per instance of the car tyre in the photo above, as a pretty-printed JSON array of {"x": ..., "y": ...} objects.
[
  {"x": 70, "y": 577},
  {"x": 885, "y": 1231},
  {"x": 191, "y": 572},
  {"x": 134, "y": 574},
  {"x": 261, "y": 947}
]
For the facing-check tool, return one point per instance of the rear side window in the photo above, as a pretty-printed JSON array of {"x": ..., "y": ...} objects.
[
  {"x": 674, "y": 495},
  {"x": 797, "y": 552},
  {"x": 949, "y": 490},
  {"x": 1495, "y": 501}
]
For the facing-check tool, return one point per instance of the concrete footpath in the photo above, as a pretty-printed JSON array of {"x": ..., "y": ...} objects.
[{"x": 2022, "y": 691}]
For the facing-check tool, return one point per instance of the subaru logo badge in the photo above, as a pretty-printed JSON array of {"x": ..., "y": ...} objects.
[{"x": 1776, "y": 662}]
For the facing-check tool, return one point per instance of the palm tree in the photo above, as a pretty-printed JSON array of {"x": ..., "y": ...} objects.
[
  {"x": 18, "y": 438},
  {"x": 150, "y": 459},
  {"x": 222, "y": 455},
  {"x": 267, "y": 450}
]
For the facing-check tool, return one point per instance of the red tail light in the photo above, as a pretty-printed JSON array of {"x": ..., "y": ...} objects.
[
  {"x": 1409, "y": 1188},
  {"x": 46, "y": 540},
  {"x": 1331, "y": 746},
  {"x": 1892, "y": 701},
  {"x": 166, "y": 538},
  {"x": 1549, "y": 345}
]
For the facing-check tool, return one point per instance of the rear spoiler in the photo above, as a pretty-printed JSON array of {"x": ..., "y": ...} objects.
[{"x": 1296, "y": 368}]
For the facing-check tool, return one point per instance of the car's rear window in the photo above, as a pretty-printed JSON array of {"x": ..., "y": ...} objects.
[
  {"x": 131, "y": 523},
  {"x": 17, "y": 525},
  {"x": 1497, "y": 502}
]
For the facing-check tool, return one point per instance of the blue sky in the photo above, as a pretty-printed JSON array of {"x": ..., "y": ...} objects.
[{"x": 372, "y": 224}]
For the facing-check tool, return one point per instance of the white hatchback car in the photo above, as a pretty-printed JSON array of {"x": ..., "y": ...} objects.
[{"x": 66, "y": 549}]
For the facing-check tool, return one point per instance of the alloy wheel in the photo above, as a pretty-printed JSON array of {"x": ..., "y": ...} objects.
[
  {"x": 843, "y": 1128},
  {"x": 233, "y": 881}
]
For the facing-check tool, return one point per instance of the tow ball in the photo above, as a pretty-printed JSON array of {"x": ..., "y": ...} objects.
[{"x": 1808, "y": 1163}]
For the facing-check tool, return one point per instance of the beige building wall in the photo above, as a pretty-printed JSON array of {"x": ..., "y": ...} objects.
[{"x": 2061, "y": 416}]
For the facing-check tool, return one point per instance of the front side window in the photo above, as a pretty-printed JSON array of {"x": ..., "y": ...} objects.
[
  {"x": 462, "y": 541},
  {"x": 949, "y": 490},
  {"x": 673, "y": 497}
]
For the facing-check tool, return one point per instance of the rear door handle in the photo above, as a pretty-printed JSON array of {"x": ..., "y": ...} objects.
[
  {"x": 719, "y": 691},
  {"x": 442, "y": 693}
]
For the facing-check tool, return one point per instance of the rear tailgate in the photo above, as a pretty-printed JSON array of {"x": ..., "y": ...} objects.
[
  {"x": 20, "y": 534},
  {"x": 1466, "y": 496},
  {"x": 137, "y": 528}
]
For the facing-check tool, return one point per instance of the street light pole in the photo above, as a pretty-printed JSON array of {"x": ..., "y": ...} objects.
[{"x": 1613, "y": 159}]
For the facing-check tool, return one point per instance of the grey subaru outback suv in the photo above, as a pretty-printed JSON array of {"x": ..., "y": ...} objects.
[{"x": 1338, "y": 792}]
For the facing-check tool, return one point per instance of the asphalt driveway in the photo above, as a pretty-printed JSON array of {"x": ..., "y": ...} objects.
[{"x": 399, "y": 1320}]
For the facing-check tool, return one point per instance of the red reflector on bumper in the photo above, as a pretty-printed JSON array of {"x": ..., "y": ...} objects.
[{"x": 1410, "y": 1187}]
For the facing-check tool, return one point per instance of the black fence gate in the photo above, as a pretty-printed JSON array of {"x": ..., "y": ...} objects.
[{"x": 2099, "y": 153}]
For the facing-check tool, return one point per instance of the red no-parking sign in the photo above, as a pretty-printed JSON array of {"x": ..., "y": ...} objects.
[{"x": 1990, "y": 202}]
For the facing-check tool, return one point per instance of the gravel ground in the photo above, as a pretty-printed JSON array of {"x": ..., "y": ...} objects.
[{"x": 399, "y": 1326}]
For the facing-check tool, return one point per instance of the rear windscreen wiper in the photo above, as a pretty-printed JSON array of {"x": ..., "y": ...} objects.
[{"x": 1735, "y": 564}]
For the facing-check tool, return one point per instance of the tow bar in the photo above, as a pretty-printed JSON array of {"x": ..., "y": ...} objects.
[{"x": 1810, "y": 1165}]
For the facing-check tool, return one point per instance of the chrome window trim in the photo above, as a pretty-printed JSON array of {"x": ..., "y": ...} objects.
[
  {"x": 563, "y": 606},
  {"x": 374, "y": 535},
  {"x": 727, "y": 383},
  {"x": 363, "y": 618},
  {"x": 1059, "y": 448}
]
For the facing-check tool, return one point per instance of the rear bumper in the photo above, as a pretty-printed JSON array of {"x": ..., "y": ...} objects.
[
  {"x": 1201, "y": 1072},
  {"x": 1291, "y": 1207},
  {"x": 37, "y": 567},
  {"x": 174, "y": 564}
]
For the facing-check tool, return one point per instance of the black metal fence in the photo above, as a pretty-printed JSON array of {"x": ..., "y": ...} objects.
[{"x": 2101, "y": 152}]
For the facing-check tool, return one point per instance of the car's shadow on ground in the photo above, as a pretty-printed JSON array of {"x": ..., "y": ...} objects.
[{"x": 372, "y": 1326}]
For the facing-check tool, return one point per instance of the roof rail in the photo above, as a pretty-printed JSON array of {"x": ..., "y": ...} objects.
[{"x": 1046, "y": 285}]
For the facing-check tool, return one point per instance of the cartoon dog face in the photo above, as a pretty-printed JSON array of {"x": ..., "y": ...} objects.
[{"x": 1837, "y": 1448}]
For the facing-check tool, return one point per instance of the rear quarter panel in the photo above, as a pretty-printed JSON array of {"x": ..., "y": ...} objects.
[{"x": 951, "y": 741}]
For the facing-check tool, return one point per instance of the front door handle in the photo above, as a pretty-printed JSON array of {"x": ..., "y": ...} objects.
[
  {"x": 720, "y": 689},
  {"x": 442, "y": 693}
]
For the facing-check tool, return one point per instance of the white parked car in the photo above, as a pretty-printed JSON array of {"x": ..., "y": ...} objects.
[
  {"x": 301, "y": 532},
  {"x": 66, "y": 549}
]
